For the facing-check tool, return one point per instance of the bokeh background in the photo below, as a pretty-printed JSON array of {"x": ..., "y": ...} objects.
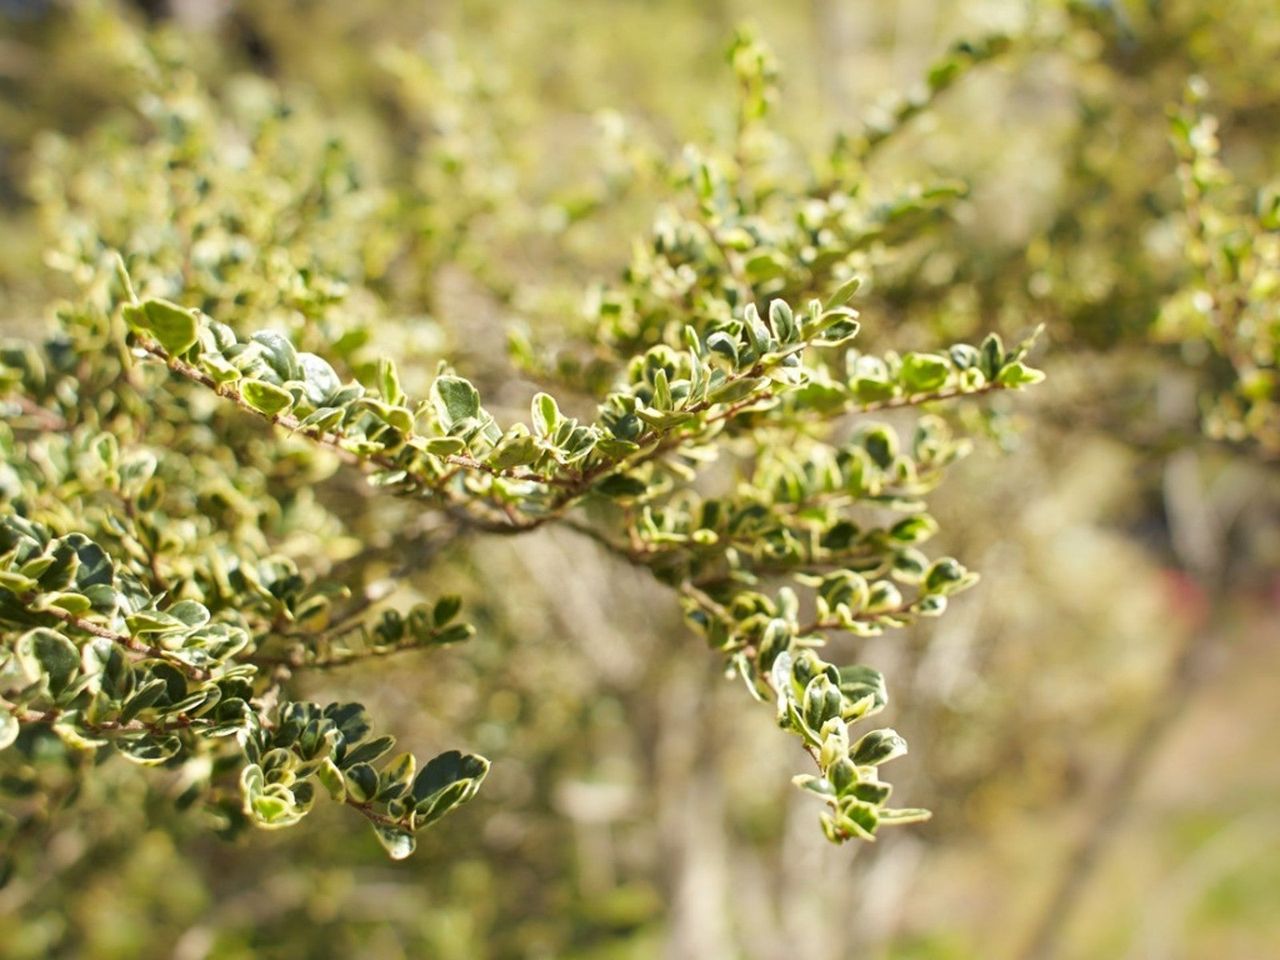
[{"x": 1094, "y": 727}]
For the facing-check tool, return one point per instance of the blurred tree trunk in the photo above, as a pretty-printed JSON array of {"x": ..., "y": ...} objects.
[{"x": 1198, "y": 538}]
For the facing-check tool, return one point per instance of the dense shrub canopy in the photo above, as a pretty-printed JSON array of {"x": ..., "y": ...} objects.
[
  {"x": 346, "y": 344},
  {"x": 149, "y": 606}
]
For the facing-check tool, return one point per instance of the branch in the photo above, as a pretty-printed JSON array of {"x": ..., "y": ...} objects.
[
  {"x": 918, "y": 399},
  {"x": 45, "y": 419},
  {"x": 130, "y": 643},
  {"x": 502, "y": 517},
  {"x": 346, "y": 658},
  {"x": 182, "y": 722}
]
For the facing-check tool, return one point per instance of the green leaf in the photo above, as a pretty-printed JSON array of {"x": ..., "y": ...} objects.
[
  {"x": 352, "y": 720},
  {"x": 872, "y": 791},
  {"x": 883, "y": 596},
  {"x": 445, "y": 446},
  {"x": 881, "y": 442},
  {"x": 331, "y": 779},
  {"x": 454, "y": 400},
  {"x": 455, "y": 633},
  {"x": 965, "y": 356},
  {"x": 877, "y": 747},
  {"x": 518, "y": 451},
  {"x": 765, "y": 266},
  {"x": 219, "y": 368},
  {"x": 914, "y": 529},
  {"x": 319, "y": 378},
  {"x": 732, "y": 391},
  {"x": 904, "y": 815},
  {"x": 545, "y": 414},
  {"x": 445, "y": 770},
  {"x": 843, "y": 294},
  {"x": 266, "y": 398},
  {"x": 190, "y": 613},
  {"x": 47, "y": 654},
  {"x": 94, "y": 567},
  {"x": 757, "y": 332},
  {"x": 1017, "y": 375},
  {"x": 368, "y": 751},
  {"x": 174, "y": 327},
  {"x": 819, "y": 785},
  {"x": 946, "y": 576},
  {"x": 835, "y": 327},
  {"x": 275, "y": 810},
  {"x": 446, "y": 609},
  {"x": 860, "y": 819},
  {"x": 923, "y": 372},
  {"x": 148, "y": 750},
  {"x": 843, "y": 775},
  {"x": 389, "y": 382},
  {"x": 440, "y": 803},
  {"x": 74, "y": 734},
  {"x": 399, "y": 418},
  {"x": 36, "y": 567},
  {"x": 783, "y": 320},
  {"x": 17, "y": 583},
  {"x": 621, "y": 487},
  {"x": 279, "y": 354},
  {"x": 395, "y": 777},
  {"x": 858, "y": 681},
  {"x": 397, "y": 841},
  {"x": 661, "y": 391},
  {"x": 123, "y": 278},
  {"x": 145, "y": 696},
  {"x": 723, "y": 344},
  {"x": 152, "y": 621},
  {"x": 9, "y": 727},
  {"x": 992, "y": 355},
  {"x": 869, "y": 390},
  {"x": 361, "y": 782}
]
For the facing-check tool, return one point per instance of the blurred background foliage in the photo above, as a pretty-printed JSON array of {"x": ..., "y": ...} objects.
[{"x": 1091, "y": 725}]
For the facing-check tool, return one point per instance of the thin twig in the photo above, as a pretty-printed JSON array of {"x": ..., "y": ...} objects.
[{"x": 123, "y": 639}]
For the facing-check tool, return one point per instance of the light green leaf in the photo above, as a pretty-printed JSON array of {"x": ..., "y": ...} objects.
[
  {"x": 545, "y": 414},
  {"x": 9, "y": 728},
  {"x": 454, "y": 400},
  {"x": 844, "y": 293},
  {"x": 266, "y": 398},
  {"x": 397, "y": 841},
  {"x": 922, "y": 372},
  {"x": 174, "y": 327},
  {"x": 904, "y": 815},
  {"x": 1018, "y": 374}
]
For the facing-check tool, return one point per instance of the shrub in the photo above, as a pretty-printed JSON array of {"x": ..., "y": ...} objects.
[{"x": 180, "y": 542}]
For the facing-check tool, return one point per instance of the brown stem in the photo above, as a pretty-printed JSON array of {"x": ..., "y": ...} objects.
[
  {"x": 572, "y": 488},
  {"x": 366, "y": 810},
  {"x": 822, "y": 626},
  {"x": 916, "y": 399},
  {"x": 123, "y": 639},
  {"x": 181, "y": 722},
  {"x": 44, "y": 418},
  {"x": 343, "y": 659}
]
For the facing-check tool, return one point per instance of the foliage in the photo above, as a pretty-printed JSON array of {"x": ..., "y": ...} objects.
[
  {"x": 146, "y": 606},
  {"x": 341, "y": 224},
  {"x": 1228, "y": 300}
]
